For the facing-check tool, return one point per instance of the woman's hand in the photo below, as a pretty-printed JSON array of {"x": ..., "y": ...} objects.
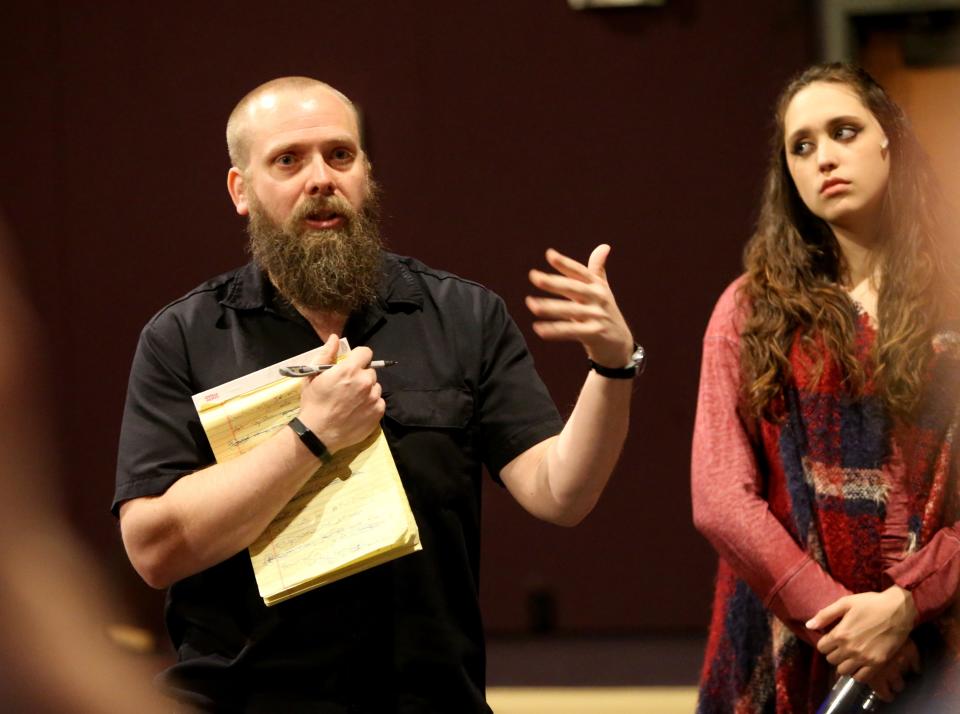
[
  {"x": 872, "y": 627},
  {"x": 888, "y": 680}
]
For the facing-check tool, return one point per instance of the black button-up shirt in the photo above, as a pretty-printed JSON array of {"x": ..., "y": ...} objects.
[{"x": 403, "y": 636}]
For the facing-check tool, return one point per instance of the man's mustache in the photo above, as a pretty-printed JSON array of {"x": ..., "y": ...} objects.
[{"x": 324, "y": 205}]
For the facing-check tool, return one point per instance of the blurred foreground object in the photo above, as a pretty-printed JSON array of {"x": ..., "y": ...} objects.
[{"x": 55, "y": 655}]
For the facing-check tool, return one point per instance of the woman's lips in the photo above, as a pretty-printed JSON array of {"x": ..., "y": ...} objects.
[{"x": 833, "y": 186}]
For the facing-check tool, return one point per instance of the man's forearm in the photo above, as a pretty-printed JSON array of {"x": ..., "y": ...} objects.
[
  {"x": 561, "y": 479},
  {"x": 210, "y": 515},
  {"x": 579, "y": 463}
]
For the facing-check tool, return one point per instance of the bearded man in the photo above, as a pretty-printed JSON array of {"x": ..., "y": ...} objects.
[{"x": 404, "y": 636}]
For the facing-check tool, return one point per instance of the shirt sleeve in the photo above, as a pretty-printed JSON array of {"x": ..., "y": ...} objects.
[
  {"x": 516, "y": 411},
  {"x": 161, "y": 438},
  {"x": 932, "y": 574},
  {"x": 727, "y": 484}
]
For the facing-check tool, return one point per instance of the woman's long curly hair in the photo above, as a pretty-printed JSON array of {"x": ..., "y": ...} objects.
[{"x": 795, "y": 268}]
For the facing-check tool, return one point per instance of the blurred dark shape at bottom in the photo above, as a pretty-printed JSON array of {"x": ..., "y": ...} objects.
[{"x": 541, "y": 609}]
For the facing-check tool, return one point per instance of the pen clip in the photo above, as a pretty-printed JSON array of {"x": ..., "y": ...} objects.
[{"x": 298, "y": 370}]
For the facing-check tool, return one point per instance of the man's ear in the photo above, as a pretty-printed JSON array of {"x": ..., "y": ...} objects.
[{"x": 237, "y": 187}]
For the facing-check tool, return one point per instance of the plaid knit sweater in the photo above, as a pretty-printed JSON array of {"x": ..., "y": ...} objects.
[{"x": 827, "y": 472}]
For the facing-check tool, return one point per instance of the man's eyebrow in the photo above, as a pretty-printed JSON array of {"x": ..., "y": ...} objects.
[
  {"x": 296, "y": 144},
  {"x": 285, "y": 147}
]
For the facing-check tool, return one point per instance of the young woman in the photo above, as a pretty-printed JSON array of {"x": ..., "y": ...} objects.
[{"x": 825, "y": 452}]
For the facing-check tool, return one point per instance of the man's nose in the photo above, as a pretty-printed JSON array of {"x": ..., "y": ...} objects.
[{"x": 320, "y": 180}]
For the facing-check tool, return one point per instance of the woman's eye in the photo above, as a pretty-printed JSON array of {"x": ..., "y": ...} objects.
[
  {"x": 845, "y": 133},
  {"x": 802, "y": 148}
]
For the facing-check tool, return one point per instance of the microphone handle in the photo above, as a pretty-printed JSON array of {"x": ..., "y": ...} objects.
[{"x": 849, "y": 696}]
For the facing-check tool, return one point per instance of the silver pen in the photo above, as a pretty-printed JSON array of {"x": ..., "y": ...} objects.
[{"x": 306, "y": 370}]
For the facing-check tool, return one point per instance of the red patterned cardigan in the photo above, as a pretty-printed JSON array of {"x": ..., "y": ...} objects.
[{"x": 835, "y": 499}]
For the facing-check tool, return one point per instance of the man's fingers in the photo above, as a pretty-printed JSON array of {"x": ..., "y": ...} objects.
[
  {"x": 589, "y": 312},
  {"x": 564, "y": 330},
  {"x": 328, "y": 353},
  {"x": 570, "y": 288},
  {"x": 359, "y": 357},
  {"x": 552, "y": 309},
  {"x": 568, "y": 266},
  {"x": 598, "y": 260}
]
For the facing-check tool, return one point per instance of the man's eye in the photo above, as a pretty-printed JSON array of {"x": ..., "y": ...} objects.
[
  {"x": 341, "y": 156},
  {"x": 285, "y": 160}
]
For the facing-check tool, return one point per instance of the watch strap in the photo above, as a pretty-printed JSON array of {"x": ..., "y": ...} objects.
[
  {"x": 637, "y": 363},
  {"x": 614, "y": 372},
  {"x": 309, "y": 439}
]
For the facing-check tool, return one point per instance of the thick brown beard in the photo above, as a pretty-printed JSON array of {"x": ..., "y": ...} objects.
[{"x": 330, "y": 270}]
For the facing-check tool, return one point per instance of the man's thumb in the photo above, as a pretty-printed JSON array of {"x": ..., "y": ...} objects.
[{"x": 598, "y": 260}]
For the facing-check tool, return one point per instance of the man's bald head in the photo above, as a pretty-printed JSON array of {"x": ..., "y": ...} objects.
[{"x": 238, "y": 142}]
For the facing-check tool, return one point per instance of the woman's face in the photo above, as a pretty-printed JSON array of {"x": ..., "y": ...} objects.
[{"x": 837, "y": 155}]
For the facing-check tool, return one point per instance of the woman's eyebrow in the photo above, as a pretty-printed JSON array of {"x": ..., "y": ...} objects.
[{"x": 833, "y": 121}]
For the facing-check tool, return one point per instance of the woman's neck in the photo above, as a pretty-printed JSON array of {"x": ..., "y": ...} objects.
[
  {"x": 862, "y": 278},
  {"x": 859, "y": 253}
]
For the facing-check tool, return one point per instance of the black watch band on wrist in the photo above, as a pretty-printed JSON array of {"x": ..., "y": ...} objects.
[
  {"x": 631, "y": 370},
  {"x": 309, "y": 439}
]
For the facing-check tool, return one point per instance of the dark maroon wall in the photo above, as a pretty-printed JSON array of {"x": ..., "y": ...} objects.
[{"x": 497, "y": 128}]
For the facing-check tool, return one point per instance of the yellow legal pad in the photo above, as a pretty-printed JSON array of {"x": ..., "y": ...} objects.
[{"x": 352, "y": 514}]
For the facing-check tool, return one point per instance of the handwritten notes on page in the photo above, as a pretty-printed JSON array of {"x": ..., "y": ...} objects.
[{"x": 352, "y": 514}]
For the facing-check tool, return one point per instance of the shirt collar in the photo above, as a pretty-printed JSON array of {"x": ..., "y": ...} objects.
[{"x": 250, "y": 288}]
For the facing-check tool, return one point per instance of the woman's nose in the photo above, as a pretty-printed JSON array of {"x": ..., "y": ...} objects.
[{"x": 826, "y": 156}]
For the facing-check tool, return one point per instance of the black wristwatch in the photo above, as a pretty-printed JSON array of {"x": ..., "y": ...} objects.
[
  {"x": 309, "y": 439},
  {"x": 633, "y": 368}
]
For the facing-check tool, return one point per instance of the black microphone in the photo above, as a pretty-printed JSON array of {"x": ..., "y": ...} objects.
[{"x": 849, "y": 696}]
